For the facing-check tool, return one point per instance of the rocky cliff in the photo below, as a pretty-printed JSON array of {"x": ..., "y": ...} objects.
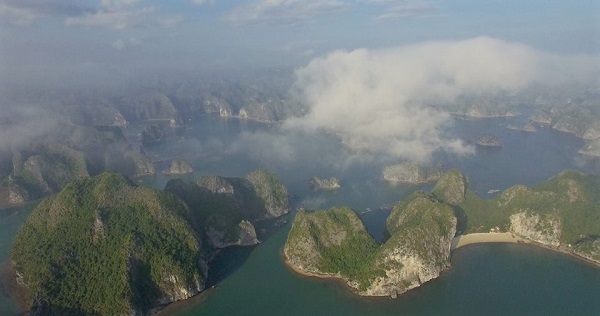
[
  {"x": 317, "y": 183},
  {"x": 408, "y": 172},
  {"x": 559, "y": 213},
  {"x": 336, "y": 243},
  {"x": 489, "y": 140},
  {"x": 225, "y": 208},
  {"x": 178, "y": 166},
  {"x": 105, "y": 246}
]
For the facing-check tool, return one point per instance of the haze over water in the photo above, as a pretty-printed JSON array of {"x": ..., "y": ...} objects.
[
  {"x": 491, "y": 279},
  {"x": 484, "y": 279}
]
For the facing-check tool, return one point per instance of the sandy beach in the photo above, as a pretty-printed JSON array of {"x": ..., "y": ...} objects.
[{"x": 476, "y": 238}]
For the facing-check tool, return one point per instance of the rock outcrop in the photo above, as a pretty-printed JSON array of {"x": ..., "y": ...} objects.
[
  {"x": 541, "y": 118},
  {"x": 527, "y": 127},
  {"x": 544, "y": 229},
  {"x": 105, "y": 246},
  {"x": 592, "y": 148},
  {"x": 559, "y": 213},
  {"x": 408, "y": 172},
  {"x": 270, "y": 192},
  {"x": 140, "y": 164},
  {"x": 489, "y": 140},
  {"x": 317, "y": 183},
  {"x": 336, "y": 243},
  {"x": 178, "y": 166},
  {"x": 225, "y": 208},
  {"x": 245, "y": 237}
]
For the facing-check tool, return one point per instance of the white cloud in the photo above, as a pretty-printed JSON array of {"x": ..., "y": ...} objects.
[
  {"x": 121, "y": 44},
  {"x": 203, "y": 2},
  {"x": 283, "y": 11},
  {"x": 17, "y": 16},
  {"x": 377, "y": 100},
  {"x": 169, "y": 21},
  {"x": 400, "y": 9},
  {"x": 25, "y": 12},
  {"x": 114, "y": 19},
  {"x": 116, "y": 5}
]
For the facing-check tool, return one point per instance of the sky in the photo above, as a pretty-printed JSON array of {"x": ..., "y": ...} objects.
[
  {"x": 368, "y": 69},
  {"x": 43, "y": 36}
]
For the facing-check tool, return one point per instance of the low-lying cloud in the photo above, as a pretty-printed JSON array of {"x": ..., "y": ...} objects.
[{"x": 380, "y": 100}]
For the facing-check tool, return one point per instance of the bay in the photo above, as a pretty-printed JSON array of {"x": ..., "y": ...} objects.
[{"x": 491, "y": 279}]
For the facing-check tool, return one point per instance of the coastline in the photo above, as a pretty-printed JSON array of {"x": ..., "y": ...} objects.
[
  {"x": 476, "y": 238},
  {"x": 457, "y": 242},
  {"x": 332, "y": 277}
]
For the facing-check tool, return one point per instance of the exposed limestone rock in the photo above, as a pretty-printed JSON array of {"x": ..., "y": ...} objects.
[
  {"x": 336, "y": 243},
  {"x": 528, "y": 127},
  {"x": 215, "y": 184},
  {"x": 451, "y": 187},
  {"x": 178, "y": 166},
  {"x": 541, "y": 118},
  {"x": 592, "y": 132},
  {"x": 270, "y": 191},
  {"x": 408, "y": 172},
  {"x": 489, "y": 140},
  {"x": 592, "y": 149},
  {"x": 246, "y": 236},
  {"x": 545, "y": 229},
  {"x": 317, "y": 183},
  {"x": 142, "y": 166}
]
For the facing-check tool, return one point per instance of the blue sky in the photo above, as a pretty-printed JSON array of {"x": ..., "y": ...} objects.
[{"x": 38, "y": 34}]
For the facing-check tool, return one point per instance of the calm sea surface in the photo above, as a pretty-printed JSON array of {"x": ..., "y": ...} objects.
[{"x": 484, "y": 279}]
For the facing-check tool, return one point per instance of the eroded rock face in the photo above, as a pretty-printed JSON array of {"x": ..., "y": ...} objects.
[
  {"x": 178, "y": 166},
  {"x": 451, "y": 187},
  {"x": 317, "y": 183},
  {"x": 541, "y": 118},
  {"x": 215, "y": 184},
  {"x": 270, "y": 191},
  {"x": 409, "y": 172},
  {"x": 335, "y": 243},
  {"x": 142, "y": 166},
  {"x": 246, "y": 236},
  {"x": 489, "y": 140},
  {"x": 545, "y": 229}
]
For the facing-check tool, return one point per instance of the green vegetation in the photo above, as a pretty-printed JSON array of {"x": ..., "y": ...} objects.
[
  {"x": 340, "y": 239},
  {"x": 270, "y": 191},
  {"x": 104, "y": 246},
  {"x": 563, "y": 211},
  {"x": 220, "y": 204},
  {"x": 570, "y": 199},
  {"x": 336, "y": 242}
]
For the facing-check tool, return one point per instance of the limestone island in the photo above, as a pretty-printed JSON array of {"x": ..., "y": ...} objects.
[
  {"x": 178, "y": 166},
  {"x": 489, "y": 140},
  {"x": 408, "y": 172},
  {"x": 104, "y": 246},
  {"x": 528, "y": 127},
  {"x": 592, "y": 149},
  {"x": 423, "y": 229},
  {"x": 317, "y": 183}
]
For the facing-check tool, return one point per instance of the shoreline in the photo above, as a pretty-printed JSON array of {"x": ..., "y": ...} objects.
[
  {"x": 332, "y": 277},
  {"x": 457, "y": 242},
  {"x": 478, "y": 238}
]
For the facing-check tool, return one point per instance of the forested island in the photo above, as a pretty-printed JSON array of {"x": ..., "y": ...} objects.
[
  {"x": 104, "y": 245},
  {"x": 562, "y": 213}
]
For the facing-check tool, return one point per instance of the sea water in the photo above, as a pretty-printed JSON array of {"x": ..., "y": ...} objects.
[{"x": 485, "y": 278}]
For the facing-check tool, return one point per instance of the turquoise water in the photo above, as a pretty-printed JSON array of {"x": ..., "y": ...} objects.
[{"x": 490, "y": 279}]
